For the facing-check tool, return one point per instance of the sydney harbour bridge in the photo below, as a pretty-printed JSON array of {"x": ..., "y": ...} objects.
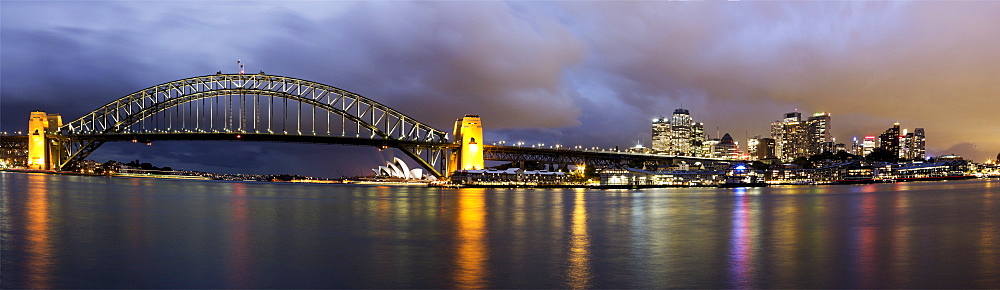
[{"x": 269, "y": 108}]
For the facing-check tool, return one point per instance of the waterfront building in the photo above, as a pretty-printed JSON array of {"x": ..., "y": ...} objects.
[
  {"x": 508, "y": 177},
  {"x": 939, "y": 169},
  {"x": 788, "y": 174},
  {"x": 632, "y": 177},
  {"x": 398, "y": 169},
  {"x": 857, "y": 171}
]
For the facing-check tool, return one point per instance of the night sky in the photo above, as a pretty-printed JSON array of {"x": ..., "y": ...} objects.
[{"x": 572, "y": 73}]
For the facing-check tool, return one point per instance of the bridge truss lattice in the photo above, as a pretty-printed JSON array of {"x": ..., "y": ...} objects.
[{"x": 254, "y": 107}]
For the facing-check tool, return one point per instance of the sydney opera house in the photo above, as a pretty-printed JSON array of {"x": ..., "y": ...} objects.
[{"x": 398, "y": 169}]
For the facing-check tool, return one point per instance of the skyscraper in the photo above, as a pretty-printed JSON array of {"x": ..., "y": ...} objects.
[
  {"x": 661, "y": 134},
  {"x": 911, "y": 145},
  {"x": 868, "y": 145},
  {"x": 919, "y": 144},
  {"x": 786, "y": 135},
  {"x": 678, "y": 135},
  {"x": 819, "y": 131},
  {"x": 698, "y": 139},
  {"x": 889, "y": 140},
  {"x": 760, "y": 148},
  {"x": 795, "y": 138}
]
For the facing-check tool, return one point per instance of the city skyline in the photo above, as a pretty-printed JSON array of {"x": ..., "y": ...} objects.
[
  {"x": 589, "y": 74},
  {"x": 791, "y": 137}
]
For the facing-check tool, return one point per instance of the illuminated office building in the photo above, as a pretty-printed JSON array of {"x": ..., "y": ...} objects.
[
  {"x": 919, "y": 150},
  {"x": 795, "y": 137},
  {"x": 698, "y": 140},
  {"x": 889, "y": 140},
  {"x": 678, "y": 135},
  {"x": 760, "y": 148},
  {"x": 819, "y": 130},
  {"x": 912, "y": 144},
  {"x": 708, "y": 147},
  {"x": 727, "y": 148},
  {"x": 661, "y": 134},
  {"x": 868, "y": 145}
]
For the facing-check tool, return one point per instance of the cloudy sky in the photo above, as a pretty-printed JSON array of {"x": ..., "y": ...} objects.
[{"x": 575, "y": 73}]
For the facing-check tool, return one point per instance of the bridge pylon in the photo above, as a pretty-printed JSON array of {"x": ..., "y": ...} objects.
[
  {"x": 45, "y": 148},
  {"x": 469, "y": 135}
]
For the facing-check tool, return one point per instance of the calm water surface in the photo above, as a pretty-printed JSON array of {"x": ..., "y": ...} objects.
[{"x": 95, "y": 232}]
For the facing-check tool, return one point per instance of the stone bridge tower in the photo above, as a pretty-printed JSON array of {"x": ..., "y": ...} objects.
[
  {"x": 45, "y": 150},
  {"x": 469, "y": 134}
]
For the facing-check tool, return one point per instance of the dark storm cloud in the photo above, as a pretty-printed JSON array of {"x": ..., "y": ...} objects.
[
  {"x": 590, "y": 73},
  {"x": 441, "y": 59}
]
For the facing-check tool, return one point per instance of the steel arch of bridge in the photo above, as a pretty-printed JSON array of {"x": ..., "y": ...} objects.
[{"x": 385, "y": 126}]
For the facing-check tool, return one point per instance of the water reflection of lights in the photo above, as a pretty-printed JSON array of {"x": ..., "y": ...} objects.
[
  {"x": 901, "y": 238},
  {"x": 471, "y": 256},
  {"x": 39, "y": 244},
  {"x": 742, "y": 244},
  {"x": 579, "y": 274},
  {"x": 989, "y": 248},
  {"x": 866, "y": 242},
  {"x": 867, "y": 188},
  {"x": 741, "y": 191},
  {"x": 239, "y": 263}
]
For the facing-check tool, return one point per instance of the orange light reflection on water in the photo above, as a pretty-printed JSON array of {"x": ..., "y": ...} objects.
[
  {"x": 240, "y": 255},
  {"x": 579, "y": 274},
  {"x": 866, "y": 243},
  {"x": 901, "y": 239},
  {"x": 39, "y": 243},
  {"x": 989, "y": 248},
  {"x": 471, "y": 252}
]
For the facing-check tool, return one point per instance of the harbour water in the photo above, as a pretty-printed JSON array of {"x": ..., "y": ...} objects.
[{"x": 99, "y": 232}]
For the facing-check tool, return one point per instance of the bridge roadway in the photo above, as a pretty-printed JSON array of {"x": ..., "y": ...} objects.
[
  {"x": 588, "y": 157},
  {"x": 491, "y": 152}
]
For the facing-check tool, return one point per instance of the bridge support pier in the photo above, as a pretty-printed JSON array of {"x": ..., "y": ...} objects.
[
  {"x": 45, "y": 149},
  {"x": 469, "y": 133}
]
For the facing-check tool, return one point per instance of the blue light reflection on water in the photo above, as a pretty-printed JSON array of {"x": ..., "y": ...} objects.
[{"x": 91, "y": 232}]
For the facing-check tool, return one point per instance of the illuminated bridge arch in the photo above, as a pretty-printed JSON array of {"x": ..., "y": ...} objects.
[{"x": 253, "y": 107}]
